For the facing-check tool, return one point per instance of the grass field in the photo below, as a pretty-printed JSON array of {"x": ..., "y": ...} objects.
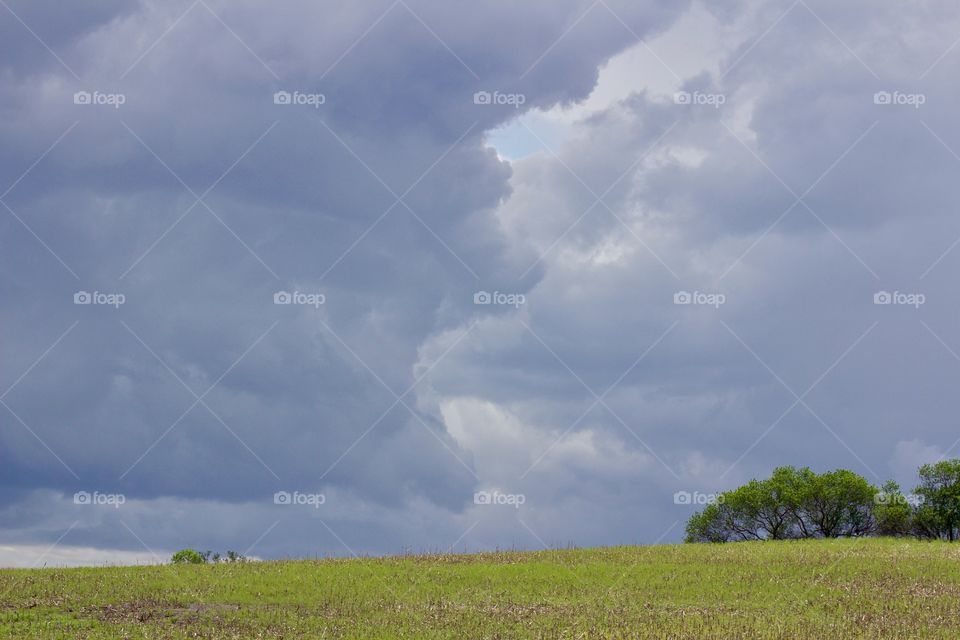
[{"x": 807, "y": 589}]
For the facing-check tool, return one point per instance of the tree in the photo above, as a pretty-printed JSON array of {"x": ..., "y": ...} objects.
[
  {"x": 710, "y": 525},
  {"x": 764, "y": 506},
  {"x": 792, "y": 503},
  {"x": 939, "y": 515},
  {"x": 188, "y": 556},
  {"x": 755, "y": 511},
  {"x": 840, "y": 504},
  {"x": 893, "y": 512}
]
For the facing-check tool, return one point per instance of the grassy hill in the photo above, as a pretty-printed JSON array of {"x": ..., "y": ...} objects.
[{"x": 866, "y": 588}]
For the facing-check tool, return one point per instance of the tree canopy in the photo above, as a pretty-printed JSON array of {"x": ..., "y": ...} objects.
[{"x": 800, "y": 503}]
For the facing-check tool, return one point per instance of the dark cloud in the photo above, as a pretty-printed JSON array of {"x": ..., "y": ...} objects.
[{"x": 595, "y": 399}]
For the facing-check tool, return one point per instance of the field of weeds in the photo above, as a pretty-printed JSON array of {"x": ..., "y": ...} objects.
[{"x": 867, "y": 588}]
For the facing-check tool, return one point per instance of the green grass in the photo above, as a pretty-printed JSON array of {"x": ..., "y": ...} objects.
[{"x": 807, "y": 589}]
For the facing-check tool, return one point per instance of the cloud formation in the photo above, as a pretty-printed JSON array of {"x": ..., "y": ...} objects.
[{"x": 299, "y": 205}]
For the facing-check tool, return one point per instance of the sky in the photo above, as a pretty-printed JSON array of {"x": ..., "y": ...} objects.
[{"x": 334, "y": 278}]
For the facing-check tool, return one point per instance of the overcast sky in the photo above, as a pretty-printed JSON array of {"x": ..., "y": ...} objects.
[{"x": 332, "y": 278}]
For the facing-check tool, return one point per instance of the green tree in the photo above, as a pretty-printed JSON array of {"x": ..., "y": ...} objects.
[
  {"x": 840, "y": 504},
  {"x": 939, "y": 516},
  {"x": 892, "y": 511},
  {"x": 711, "y": 525},
  {"x": 792, "y": 503},
  {"x": 188, "y": 556}
]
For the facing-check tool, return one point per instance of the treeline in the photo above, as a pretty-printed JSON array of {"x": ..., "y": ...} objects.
[{"x": 799, "y": 503}]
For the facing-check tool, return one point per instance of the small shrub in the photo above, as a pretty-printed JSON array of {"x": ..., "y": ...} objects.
[{"x": 188, "y": 556}]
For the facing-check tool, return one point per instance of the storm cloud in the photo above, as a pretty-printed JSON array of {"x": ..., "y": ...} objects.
[{"x": 325, "y": 278}]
